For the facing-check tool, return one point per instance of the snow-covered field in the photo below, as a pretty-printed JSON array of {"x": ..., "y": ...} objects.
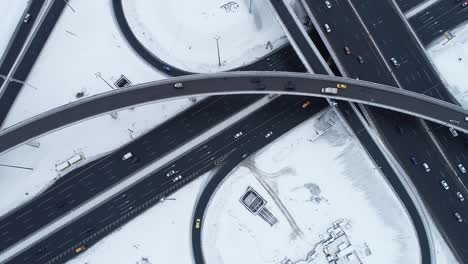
[
  {"x": 160, "y": 235},
  {"x": 316, "y": 182},
  {"x": 183, "y": 32},
  {"x": 451, "y": 60},
  {"x": 11, "y": 15},
  {"x": 91, "y": 48}
]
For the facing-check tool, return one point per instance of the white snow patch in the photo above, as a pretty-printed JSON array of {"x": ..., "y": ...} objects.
[
  {"x": 182, "y": 32},
  {"x": 346, "y": 185},
  {"x": 446, "y": 57}
]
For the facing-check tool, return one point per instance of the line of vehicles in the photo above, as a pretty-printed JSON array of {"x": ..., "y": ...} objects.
[{"x": 444, "y": 183}]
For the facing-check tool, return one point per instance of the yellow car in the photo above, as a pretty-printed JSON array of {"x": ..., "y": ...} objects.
[
  {"x": 197, "y": 224},
  {"x": 341, "y": 86},
  {"x": 80, "y": 248}
]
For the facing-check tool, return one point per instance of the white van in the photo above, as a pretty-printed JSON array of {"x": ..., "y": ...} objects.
[{"x": 127, "y": 156}]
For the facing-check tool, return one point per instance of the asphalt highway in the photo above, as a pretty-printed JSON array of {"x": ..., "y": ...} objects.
[
  {"x": 19, "y": 38},
  {"x": 402, "y": 134},
  {"x": 279, "y": 117},
  {"x": 432, "y": 23},
  {"x": 353, "y": 122},
  {"x": 9, "y": 94},
  {"x": 300, "y": 39},
  {"x": 82, "y": 184}
]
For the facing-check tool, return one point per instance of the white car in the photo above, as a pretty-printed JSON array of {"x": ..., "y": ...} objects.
[
  {"x": 327, "y": 28},
  {"x": 177, "y": 178},
  {"x": 394, "y": 62},
  {"x": 330, "y": 90},
  {"x": 127, "y": 156},
  {"x": 238, "y": 134},
  {"x": 170, "y": 173},
  {"x": 328, "y": 4},
  {"x": 269, "y": 134},
  {"x": 445, "y": 185},
  {"x": 462, "y": 168},
  {"x": 460, "y": 196},
  {"x": 26, "y": 18},
  {"x": 458, "y": 217},
  {"x": 426, "y": 167},
  {"x": 453, "y": 132},
  {"x": 178, "y": 85}
]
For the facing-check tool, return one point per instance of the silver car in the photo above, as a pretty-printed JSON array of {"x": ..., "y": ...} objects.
[
  {"x": 458, "y": 217},
  {"x": 394, "y": 62},
  {"x": 461, "y": 168},
  {"x": 330, "y": 90},
  {"x": 445, "y": 185}
]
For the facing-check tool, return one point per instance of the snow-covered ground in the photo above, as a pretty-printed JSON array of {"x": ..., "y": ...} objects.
[
  {"x": 451, "y": 60},
  {"x": 11, "y": 15},
  {"x": 313, "y": 182},
  {"x": 316, "y": 180},
  {"x": 160, "y": 235},
  {"x": 183, "y": 32},
  {"x": 91, "y": 48}
]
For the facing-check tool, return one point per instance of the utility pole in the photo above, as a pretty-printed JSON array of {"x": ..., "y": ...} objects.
[
  {"x": 99, "y": 75},
  {"x": 217, "y": 46},
  {"x": 68, "y": 4},
  {"x": 16, "y": 167},
  {"x": 250, "y": 7}
]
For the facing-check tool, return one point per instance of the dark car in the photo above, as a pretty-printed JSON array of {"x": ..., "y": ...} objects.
[
  {"x": 400, "y": 129},
  {"x": 414, "y": 160},
  {"x": 290, "y": 86},
  {"x": 167, "y": 68},
  {"x": 134, "y": 160},
  {"x": 61, "y": 204}
]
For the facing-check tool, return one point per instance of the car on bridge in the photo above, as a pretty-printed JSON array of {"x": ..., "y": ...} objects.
[{"x": 330, "y": 90}]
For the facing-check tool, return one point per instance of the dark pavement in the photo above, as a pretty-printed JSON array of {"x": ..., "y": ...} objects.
[
  {"x": 9, "y": 94},
  {"x": 434, "y": 21},
  {"x": 279, "y": 116},
  {"x": 18, "y": 39},
  {"x": 82, "y": 184},
  {"x": 402, "y": 134}
]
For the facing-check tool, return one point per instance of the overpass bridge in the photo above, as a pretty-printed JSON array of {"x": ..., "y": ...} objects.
[{"x": 288, "y": 83}]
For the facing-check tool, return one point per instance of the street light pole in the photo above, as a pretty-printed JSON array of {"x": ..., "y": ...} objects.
[
  {"x": 217, "y": 46},
  {"x": 16, "y": 167},
  {"x": 250, "y": 7}
]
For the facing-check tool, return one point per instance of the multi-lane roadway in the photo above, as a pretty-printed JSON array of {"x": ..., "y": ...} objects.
[
  {"x": 434, "y": 21},
  {"x": 277, "y": 117},
  {"x": 391, "y": 39},
  {"x": 82, "y": 184},
  {"x": 27, "y": 60}
]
